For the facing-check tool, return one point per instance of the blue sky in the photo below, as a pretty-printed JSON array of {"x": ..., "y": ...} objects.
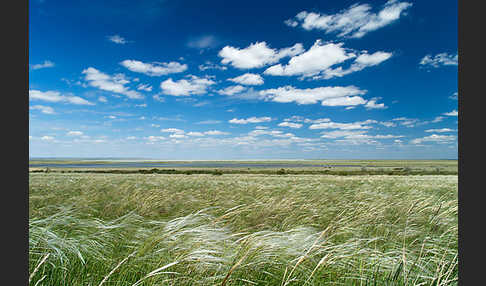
[{"x": 197, "y": 80}]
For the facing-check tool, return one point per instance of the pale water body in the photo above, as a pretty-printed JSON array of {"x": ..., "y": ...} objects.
[{"x": 187, "y": 165}]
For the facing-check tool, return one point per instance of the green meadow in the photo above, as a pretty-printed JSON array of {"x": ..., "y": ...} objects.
[{"x": 243, "y": 228}]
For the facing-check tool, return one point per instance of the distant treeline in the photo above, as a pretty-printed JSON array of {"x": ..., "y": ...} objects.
[{"x": 362, "y": 171}]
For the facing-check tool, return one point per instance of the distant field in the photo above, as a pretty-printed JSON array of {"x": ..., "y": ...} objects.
[
  {"x": 244, "y": 229},
  {"x": 333, "y": 167}
]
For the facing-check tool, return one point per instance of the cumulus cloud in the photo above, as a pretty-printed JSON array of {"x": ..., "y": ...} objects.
[
  {"x": 215, "y": 132},
  {"x": 442, "y": 130},
  {"x": 155, "y": 68},
  {"x": 290, "y": 124},
  {"x": 317, "y": 62},
  {"x": 256, "y": 55},
  {"x": 250, "y": 120},
  {"x": 434, "y": 138},
  {"x": 144, "y": 87},
  {"x": 186, "y": 87},
  {"x": 210, "y": 133},
  {"x": 452, "y": 113},
  {"x": 248, "y": 79},
  {"x": 363, "y": 61},
  {"x": 55, "y": 96},
  {"x": 231, "y": 90},
  {"x": 328, "y": 96},
  {"x": 44, "y": 109},
  {"x": 328, "y": 124},
  {"x": 106, "y": 82},
  {"x": 318, "y": 58},
  {"x": 442, "y": 59},
  {"x": 371, "y": 104},
  {"x": 45, "y": 64},
  {"x": 353, "y": 22},
  {"x": 343, "y": 101},
  {"x": 274, "y": 133}
]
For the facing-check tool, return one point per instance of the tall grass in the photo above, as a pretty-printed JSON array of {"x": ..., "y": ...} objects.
[{"x": 109, "y": 229}]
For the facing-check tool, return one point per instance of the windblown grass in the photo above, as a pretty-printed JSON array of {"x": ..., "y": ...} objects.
[{"x": 153, "y": 229}]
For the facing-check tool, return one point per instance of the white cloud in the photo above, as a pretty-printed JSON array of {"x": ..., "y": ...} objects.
[
  {"x": 337, "y": 95},
  {"x": 173, "y": 130},
  {"x": 145, "y": 87},
  {"x": 274, "y": 133},
  {"x": 250, "y": 120},
  {"x": 371, "y": 104},
  {"x": 354, "y": 22},
  {"x": 155, "y": 68},
  {"x": 210, "y": 132},
  {"x": 102, "y": 99},
  {"x": 440, "y": 130},
  {"x": 197, "y": 134},
  {"x": 437, "y": 119},
  {"x": 361, "y": 62},
  {"x": 318, "y": 58},
  {"x": 74, "y": 133},
  {"x": 343, "y": 101},
  {"x": 231, "y": 90},
  {"x": 434, "y": 138},
  {"x": 452, "y": 113},
  {"x": 442, "y": 59},
  {"x": 209, "y": 65},
  {"x": 155, "y": 138},
  {"x": 387, "y": 123},
  {"x": 177, "y": 135},
  {"x": 215, "y": 132},
  {"x": 47, "y": 138},
  {"x": 45, "y": 64},
  {"x": 328, "y": 124},
  {"x": 340, "y": 133},
  {"x": 290, "y": 125},
  {"x": 407, "y": 122},
  {"x": 454, "y": 96},
  {"x": 186, "y": 87},
  {"x": 117, "y": 39},
  {"x": 114, "y": 83},
  {"x": 158, "y": 98},
  {"x": 317, "y": 62},
  {"x": 248, "y": 79},
  {"x": 55, "y": 96},
  {"x": 44, "y": 109},
  {"x": 256, "y": 55}
]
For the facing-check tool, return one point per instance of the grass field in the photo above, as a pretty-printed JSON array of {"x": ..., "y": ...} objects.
[{"x": 242, "y": 229}]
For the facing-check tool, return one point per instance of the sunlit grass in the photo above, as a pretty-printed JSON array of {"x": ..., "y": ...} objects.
[{"x": 153, "y": 229}]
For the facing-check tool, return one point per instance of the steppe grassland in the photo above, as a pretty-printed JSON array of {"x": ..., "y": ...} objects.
[{"x": 110, "y": 229}]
